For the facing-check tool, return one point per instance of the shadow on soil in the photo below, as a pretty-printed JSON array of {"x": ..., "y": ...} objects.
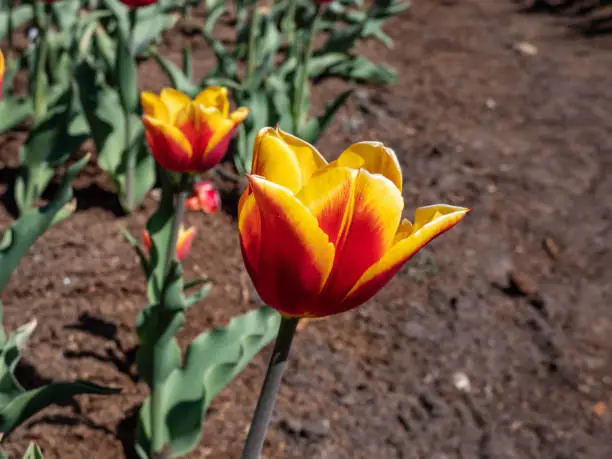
[
  {"x": 122, "y": 360},
  {"x": 88, "y": 197},
  {"x": 592, "y": 17}
]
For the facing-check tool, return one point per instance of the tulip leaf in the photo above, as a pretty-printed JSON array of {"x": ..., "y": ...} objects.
[
  {"x": 178, "y": 79},
  {"x": 21, "y": 15},
  {"x": 49, "y": 145},
  {"x": 126, "y": 75},
  {"x": 214, "y": 358},
  {"x": 29, "y": 403},
  {"x": 33, "y": 452},
  {"x": 18, "y": 238},
  {"x": 14, "y": 110},
  {"x": 315, "y": 127},
  {"x": 150, "y": 29}
]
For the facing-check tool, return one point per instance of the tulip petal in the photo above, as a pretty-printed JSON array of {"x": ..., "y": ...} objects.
[
  {"x": 410, "y": 242},
  {"x": 184, "y": 242},
  {"x": 288, "y": 255},
  {"x": 154, "y": 107},
  {"x": 215, "y": 97},
  {"x": 192, "y": 124},
  {"x": 372, "y": 220},
  {"x": 330, "y": 196},
  {"x": 375, "y": 158},
  {"x": 284, "y": 159},
  {"x": 168, "y": 145},
  {"x": 174, "y": 101}
]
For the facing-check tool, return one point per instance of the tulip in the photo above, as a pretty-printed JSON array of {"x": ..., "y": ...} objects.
[
  {"x": 138, "y": 3},
  {"x": 188, "y": 135},
  {"x": 1, "y": 73},
  {"x": 183, "y": 243},
  {"x": 205, "y": 197},
  {"x": 318, "y": 239}
]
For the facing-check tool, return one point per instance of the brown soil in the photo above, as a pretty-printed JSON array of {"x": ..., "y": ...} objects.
[{"x": 495, "y": 342}]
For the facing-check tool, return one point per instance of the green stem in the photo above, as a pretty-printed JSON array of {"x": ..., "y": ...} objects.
[
  {"x": 40, "y": 71},
  {"x": 9, "y": 26},
  {"x": 129, "y": 151},
  {"x": 290, "y": 26},
  {"x": 157, "y": 418},
  {"x": 265, "y": 404},
  {"x": 252, "y": 50},
  {"x": 300, "y": 90}
]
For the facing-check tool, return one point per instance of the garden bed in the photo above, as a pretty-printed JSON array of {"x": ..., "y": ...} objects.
[{"x": 494, "y": 342}]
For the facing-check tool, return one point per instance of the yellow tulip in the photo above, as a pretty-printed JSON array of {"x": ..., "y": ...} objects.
[
  {"x": 188, "y": 135},
  {"x": 319, "y": 239}
]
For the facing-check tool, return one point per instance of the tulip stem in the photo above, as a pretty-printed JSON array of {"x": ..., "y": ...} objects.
[
  {"x": 9, "y": 26},
  {"x": 252, "y": 50},
  {"x": 179, "y": 212},
  {"x": 265, "y": 404},
  {"x": 302, "y": 83},
  {"x": 130, "y": 165},
  {"x": 44, "y": 27}
]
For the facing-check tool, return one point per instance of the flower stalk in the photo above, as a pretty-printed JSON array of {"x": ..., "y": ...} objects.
[
  {"x": 267, "y": 397},
  {"x": 252, "y": 46},
  {"x": 129, "y": 151},
  {"x": 44, "y": 27},
  {"x": 302, "y": 83}
]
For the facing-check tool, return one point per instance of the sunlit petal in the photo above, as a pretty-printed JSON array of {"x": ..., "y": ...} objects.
[
  {"x": 215, "y": 97},
  {"x": 285, "y": 159},
  {"x": 375, "y": 214},
  {"x": 409, "y": 243},
  {"x": 169, "y": 146},
  {"x": 154, "y": 107},
  {"x": 375, "y": 158},
  {"x": 295, "y": 255},
  {"x": 174, "y": 101}
]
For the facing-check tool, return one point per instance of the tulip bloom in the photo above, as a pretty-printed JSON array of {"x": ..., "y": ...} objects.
[
  {"x": 319, "y": 239},
  {"x": 188, "y": 135},
  {"x": 205, "y": 197},
  {"x": 183, "y": 243},
  {"x": 138, "y": 3}
]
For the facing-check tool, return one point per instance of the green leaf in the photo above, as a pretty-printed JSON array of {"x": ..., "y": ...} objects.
[
  {"x": 21, "y": 15},
  {"x": 126, "y": 76},
  {"x": 18, "y": 238},
  {"x": 178, "y": 79},
  {"x": 315, "y": 127},
  {"x": 14, "y": 110},
  {"x": 142, "y": 258},
  {"x": 33, "y": 452},
  {"x": 214, "y": 359},
  {"x": 150, "y": 29},
  {"x": 11, "y": 354},
  {"x": 29, "y": 403}
]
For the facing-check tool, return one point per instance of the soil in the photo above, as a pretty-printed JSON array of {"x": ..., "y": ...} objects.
[{"x": 495, "y": 342}]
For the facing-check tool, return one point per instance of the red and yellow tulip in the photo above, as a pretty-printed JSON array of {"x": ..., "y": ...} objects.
[
  {"x": 188, "y": 135},
  {"x": 319, "y": 239},
  {"x": 183, "y": 243},
  {"x": 205, "y": 198},
  {"x": 1, "y": 73}
]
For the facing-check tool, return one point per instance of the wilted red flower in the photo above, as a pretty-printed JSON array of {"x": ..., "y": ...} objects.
[
  {"x": 205, "y": 197},
  {"x": 138, "y": 3},
  {"x": 183, "y": 243}
]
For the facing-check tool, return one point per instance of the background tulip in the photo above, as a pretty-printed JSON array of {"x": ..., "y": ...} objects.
[
  {"x": 318, "y": 238},
  {"x": 183, "y": 243},
  {"x": 189, "y": 135}
]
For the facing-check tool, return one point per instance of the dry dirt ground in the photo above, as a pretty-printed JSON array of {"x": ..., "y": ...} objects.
[{"x": 495, "y": 342}]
